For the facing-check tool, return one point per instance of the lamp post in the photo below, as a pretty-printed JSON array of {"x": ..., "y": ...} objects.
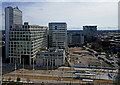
[
  {"x": 33, "y": 70},
  {"x": 72, "y": 74},
  {"x": 1, "y": 69},
  {"x": 52, "y": 67},
  {"x": 47, "y": 70},
  {"x": 15, "y": 69},
  {"x": 23, "y": 70}
]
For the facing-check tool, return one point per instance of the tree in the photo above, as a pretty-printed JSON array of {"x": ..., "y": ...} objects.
[{"x": 100, "y": 50}]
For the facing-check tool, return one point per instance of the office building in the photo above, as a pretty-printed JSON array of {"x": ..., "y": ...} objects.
[
  {"x": 58, "y": 35},
  {"x": 75, "y": 38},
  {"x": 0, "y": 65},
  {"x": 90, "y": 32},
  {"x": 50, "y": 57},
  {"x": 26, "y": 23},
  {"x": 12, "y": 16},
  {"x": 25, "y": 42}
]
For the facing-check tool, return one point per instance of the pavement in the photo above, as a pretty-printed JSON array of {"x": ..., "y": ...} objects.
[{"x": 59, "y": 75}]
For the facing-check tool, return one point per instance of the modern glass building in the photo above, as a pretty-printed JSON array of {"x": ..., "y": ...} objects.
[
  {"x": 58, "y": 35},
  {"x": 90, "y": 33},
  {"x": 0, "y": 63},
  {"x": 12, "y": 16},
  {"x": 90, "y": 30},
  {"x": 75, "y": 38}
]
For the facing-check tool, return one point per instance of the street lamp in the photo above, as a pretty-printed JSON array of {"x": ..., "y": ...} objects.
[
  {"x": 33, "y": 70},
  {"x": 23, "y": 69},
  {"x": 1, "y": 69},
  {"x": 47, "y": 70},
  {"x": 15, "y": 69},
  {"x": 52, "y": 67}
]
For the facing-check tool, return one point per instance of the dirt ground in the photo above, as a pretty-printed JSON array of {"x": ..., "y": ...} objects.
[{"x": 84, "y": 59}]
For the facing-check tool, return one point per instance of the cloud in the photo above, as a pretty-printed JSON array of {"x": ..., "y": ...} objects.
[
  {"x": 76, "y": 14},
  {"x": 60, "y": 0}
]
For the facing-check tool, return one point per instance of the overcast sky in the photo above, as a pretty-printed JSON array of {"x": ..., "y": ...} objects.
[{"x": 75, "y": 13}]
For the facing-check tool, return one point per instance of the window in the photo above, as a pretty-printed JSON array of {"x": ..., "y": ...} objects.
[
  {"x": 25, "y": 26},
  {"x": 55, "y": 27},
  {"x": 10, "y": 26}
]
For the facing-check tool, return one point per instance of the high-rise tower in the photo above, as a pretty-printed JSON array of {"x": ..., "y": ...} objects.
[
  {"x": 58, "y": 35},
  {"x": 12, "y": 16}
]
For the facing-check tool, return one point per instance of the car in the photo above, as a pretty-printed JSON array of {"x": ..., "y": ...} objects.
[
  {"x": 112, "y": 62},
  {"x": 117, "y": 62},
  {"x": 110, "y": 75},
  {"x": 111, "y": 58}
]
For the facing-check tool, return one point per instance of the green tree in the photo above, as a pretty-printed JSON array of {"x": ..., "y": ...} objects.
[{"x": 100, "y": 50}]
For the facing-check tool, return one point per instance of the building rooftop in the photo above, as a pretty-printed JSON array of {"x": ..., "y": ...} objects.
[
  {"x": 90, "y": 26},
  {"x": 14, "y": 8},
  {"x": 28, "y": 26},
  {"x": 50, "y": 50},
  {"x": 57, "y": 23},
  {"x": 9, "y": 7}
]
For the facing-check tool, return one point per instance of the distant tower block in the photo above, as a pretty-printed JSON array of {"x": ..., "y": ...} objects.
[
  {"x": 26, "y": 23},
  {"x": 12, "y": 16},
  {"x": 58, "y": 35}
]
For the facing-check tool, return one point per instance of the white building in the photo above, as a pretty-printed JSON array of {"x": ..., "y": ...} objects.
[
  {"x": 25, "y": 42},
  {"x": 12, "y": 16},
  {"x": 0, "y": 64},
  {"x": 58, "y": 35},
  {"x": 51, "y": 57}
]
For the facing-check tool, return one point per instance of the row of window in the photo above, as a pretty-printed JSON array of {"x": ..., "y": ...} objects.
[
  {"x": 21, "y": 42},
  {"x": 49, "y": 54},
  {"x": 17, "y": 28}
]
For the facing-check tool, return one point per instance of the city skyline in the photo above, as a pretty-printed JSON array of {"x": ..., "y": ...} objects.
[
  {"x": 60, "y": 42},
  {"x": 75, "y": 14}
]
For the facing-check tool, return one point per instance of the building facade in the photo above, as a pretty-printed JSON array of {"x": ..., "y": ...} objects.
[
  {"x": 25, "y": 42},
  {"x": 50, "y": 57},
  {"x": 12, "y": 16},
  {"x": 58, "y": 35},
  {"x": 90, "y": 32},
  {"x": 0, "y": 65},
  {"x": 75, "y": 38}
]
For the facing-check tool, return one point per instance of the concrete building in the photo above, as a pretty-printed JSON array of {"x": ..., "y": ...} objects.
[
  {"x": 0, "y": 58},
  {"x": 58, "y": 35},
  {"x": 0, "y": 64},
  {"x": 51, "y": 57},
  {"x": 25, "y": 42},
  {"x": 26, "y": 23},
  {"x": 12, "y": 16},
  {"x": 2, "y": 35},
  {"x": 89, "y": 32},
  {"x": 75, "y": 38}
]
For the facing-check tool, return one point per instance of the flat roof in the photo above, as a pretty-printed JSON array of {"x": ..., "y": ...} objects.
[{"x": 57, "y": 22}]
